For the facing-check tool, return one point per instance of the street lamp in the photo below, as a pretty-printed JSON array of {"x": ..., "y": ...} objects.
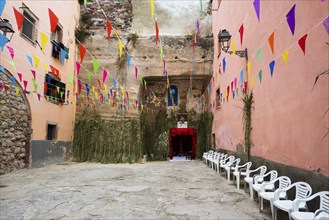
[
  {"x": 6, "y": 27},
  {"x": 224, "y": 38}
]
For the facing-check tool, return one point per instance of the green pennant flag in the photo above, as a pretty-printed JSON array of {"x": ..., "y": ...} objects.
[
  {"x": 237, "y": 92},
  {"x": 96, "y": 65},
  {"x": 145, "y": 84},
  {"x": 62, "y": 94},
  {"x": 260, "y": 75},
  {"x": 13, "y": 65},
  {"x": 35, "y": 85},
  {"x": 85, "y": 2},
  {"x": 88, "y": 75},
  {"x": 259, "y": 54},
  {"x": 69, "y": 78},
  {"x": 201, "y": 9}
]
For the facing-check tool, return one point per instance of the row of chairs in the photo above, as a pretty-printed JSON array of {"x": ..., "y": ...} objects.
[{"x": 271, "y": 187}]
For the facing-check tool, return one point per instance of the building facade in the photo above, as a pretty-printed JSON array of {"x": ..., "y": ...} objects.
[
  {"x": 38, "y": 83},
  {"x": 287, "y": 50}
]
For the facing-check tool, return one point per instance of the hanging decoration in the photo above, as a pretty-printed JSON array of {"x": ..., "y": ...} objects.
[
  {"x": 224, "y": 64},
  {"x": 285, "y": 56},
  {"x": 233, "y": 47},
  {"x": 259, "y": 55},
  {"x": 45, "y": 67},
  {"x": 136, "y": 72},
  {"x": 241, "y": 30},
  {"x": 44, "y": 39},
  {"x": 19, "y": 19},
  {"x": 257, "y": 8},
  {"x": 19, "y": 76},
  {"x": 3, "y": 41},
  {"x": 152, "y": 8},
  {"x": 77, "y": 66},
  {"x": 291, "y": 19},
  {"x": 104, "y": 75},
  {"x": 302, "y": 43},
  {"x": 241, "y": 77},
  {"x": 260, "y": 75},
  {"x": 11, "y": 52},
  {"x": 96, "y": 65},
  {"x": 36, "y": 61},
  {"x": 109, "y": 29},
  {"x": 82, "y": 52},
  {"x": 128, "y": 60},
  {"x": 120, "y": 47},
  {"x": 326, "y": 24},
  {"x": 63, "y": 55},
  {"x": 29, "y": 59},
  {"x": 12, "y": 63},
  {"x": 33, "y": 73},
  {"x": 271, "y": 42},
  {"x": 2, "y": 6},
  {"x": 272, "y": 64},
  {"x": 53, "y": 20}
]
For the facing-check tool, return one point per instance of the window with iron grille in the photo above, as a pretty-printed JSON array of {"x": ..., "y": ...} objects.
[{"x": 54, "y": 89}]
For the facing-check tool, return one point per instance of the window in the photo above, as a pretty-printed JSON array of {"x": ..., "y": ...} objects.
[
  {"x": 173, "y": 96},
  {"x": 54, "y": 89},
  {"x": 57, "y": 36},
  {"x": 218, "y": 98},
  {"x": 56, "y": 41},
  {"x": 51, "y": 131},
  {"x": 29, "y": 25}
]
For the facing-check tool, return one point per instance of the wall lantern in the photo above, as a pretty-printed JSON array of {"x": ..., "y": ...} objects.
[
  {"x": 224, "y": 38},
  {"x": 6, "y": 28}
]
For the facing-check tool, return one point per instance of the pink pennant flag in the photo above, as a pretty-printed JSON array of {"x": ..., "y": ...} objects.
[
  {"x": 39, "y": 96},
  {"x": 19, "y": 76},
  {"x": 235, "y": 82},
  {"x": 78, "y": 66},
  {"x": 104, "y": 75},
  {"x": 25, "y": 84},
  {"x": 302, "y": 43},
  {"x": 33, "y": 73},
  {"x": 136, "y": 72},
  {"x": 11, "y": 51}
]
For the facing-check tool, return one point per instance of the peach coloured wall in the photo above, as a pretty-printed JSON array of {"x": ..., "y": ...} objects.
[
  {"x": 68, "y": 13},
  {"x": 288, "y": 118}
]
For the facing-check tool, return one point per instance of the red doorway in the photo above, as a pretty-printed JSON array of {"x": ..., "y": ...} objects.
[{"x": 182, "y": 142}]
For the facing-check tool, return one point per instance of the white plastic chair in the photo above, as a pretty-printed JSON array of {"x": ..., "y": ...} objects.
[
  {"x": 231, "y": 166},
  {"x": 213, "y": 159},
  {"x": 303, "y": 190},
  {"x": 321, "y": 213},
  {"x": 268, "y": 187},
  {"x": 240, "y": 171},
  {"x": 284, "y": 182},
  {"x": 225, "y": 161},
  {"x": 250, "y": 179},
  {"x": 209, "y": 157},
  {"x": 219, "y": 159}
]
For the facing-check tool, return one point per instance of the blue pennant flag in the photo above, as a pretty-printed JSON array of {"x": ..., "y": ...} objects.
[
  {"x": 2, "y": 69},
  {"x": 272, "y": 64},
  {"x": 13, "y": 80},
  {"x": 241, "y": 77},
  {"x": 224, "y": 64},
  {"x": 3, "y": 41},
  {"x": 114, "y": 84},
  {"x": 128, "y": 61},
  {"x": 30, "y": 59},
  {"x": 63, "y": 55}
]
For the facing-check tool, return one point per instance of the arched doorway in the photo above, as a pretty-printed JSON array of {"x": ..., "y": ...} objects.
[{"x": 15, "y": 124}]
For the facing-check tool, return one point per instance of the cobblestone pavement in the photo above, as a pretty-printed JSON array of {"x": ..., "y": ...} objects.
[{"x": 154, "y": 190}]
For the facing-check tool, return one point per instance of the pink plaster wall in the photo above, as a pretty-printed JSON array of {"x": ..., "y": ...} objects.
[
  {"x": 42, "y": 111},
  {"x": 287, "y": 120}
]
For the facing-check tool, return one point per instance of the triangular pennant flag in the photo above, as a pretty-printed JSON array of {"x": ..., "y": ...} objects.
[
  {"x": 114, "y": 84},
  {"x": 235, "y": 82},
  {"x": 302, "y": 43},
  {"x": 271, "y": 42},
  {"x": 224, "y": 64},
  {"x": 233, "y": 47},
  {"x": 54, "y": 70},
  {"x": 88, "y": 75},
  {"x": 19, "y": 19},
  {"x": 11, "y": 52},
  {"x": 44, "y": 39},
  {"x": 136, "y": 72},
  {"x": 33, "y": 73},
  {"x": 152, "y": 8},
  {"x": 241, "y": 77},
  {"x": 120, "y": 47},
  {"x": 85, "y": 3},
  {"x": 79, "y": 86},
  {"x": 82, "y": 52},
  {"x": 25, "y": 84},
  {"x": 161, "y": 52},
  {"x": 39, "y": 96},
  {"x": 291, "y": 19},
  {"x": 2, "y": 6},
  {"x": 285, "y": 56},
  {"x": 45, "y": 67},
  {"x": 272, "y": 64},
  {"x": 128, "y": 61},
  {"x": 17, "y": 91},
  {"x": 6, "y": 88},
  {"x": 29, "y": 59},
  {"x": 156, "y": 33},
  {"x": 57, "y": 87},
  {"x": 252, "y": 80},
  {"x": 2, "y": 69},
  {"x": 241, "y": 30},
  {"x": 260, "y": 75},
  {"x": 96, "y": 65},
  {"x": 36, "y": 60},
  {"x": 109, "y": 29},
  {"x": 77, "y": 66},
  {"x": 259, "y": 55},
  {"x": 326, "y": 24},
  {"x": 257, "y": 8},
  {"x": 53, "y": 20},
  {"x": 63, "y": 55},
  {"x": 19, "y": 76},
  {"x": 13, "y": 80},
  {"x": 104, "y": 75},
  {"x": 245, "y": 85},
  {"x": 35, "y": 85},
  {"x": 249, "y": 67},
  {"x": 13, "y": 65},
  {"x": 3, "y": 41}
]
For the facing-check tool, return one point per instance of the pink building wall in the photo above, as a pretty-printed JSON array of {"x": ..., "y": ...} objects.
[{"x": 288, "y": 121}]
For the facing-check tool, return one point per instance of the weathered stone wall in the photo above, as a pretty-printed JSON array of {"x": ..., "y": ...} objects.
[{"x": 15, "y": 128}]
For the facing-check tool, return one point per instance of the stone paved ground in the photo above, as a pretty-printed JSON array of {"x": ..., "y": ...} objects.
[{"x": 155, "y": 190}]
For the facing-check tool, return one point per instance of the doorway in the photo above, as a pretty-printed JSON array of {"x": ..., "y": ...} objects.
[{"x": 182, "y": 143}]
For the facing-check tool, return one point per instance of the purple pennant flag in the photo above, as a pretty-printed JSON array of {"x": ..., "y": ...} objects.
[
  {"x": 198, "y": 29},
  {"x": 326, "y": 24},
  {"x": 291, "y": 19},
  {"x": 272, "y": 64},
  {"x": 257, "y": 8},
  {"x": 322, "y": 1},
  {"x": 3, "y": 41},
  {"x": 2, "y": 6},
  {"x": 104, "y": 75},
  {"x": 235, "y": 82},
  {"x": 224, "y": 64}
]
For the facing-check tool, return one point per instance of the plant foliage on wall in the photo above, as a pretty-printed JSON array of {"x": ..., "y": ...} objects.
[{"x": 248, "y": 100}]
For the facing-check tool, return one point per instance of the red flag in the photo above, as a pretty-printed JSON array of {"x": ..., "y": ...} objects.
[
  {"x": 156, "y": 32},
  {"x": 82, "y": 52},
  {"x": 53, "y": 20},
  {"x": 241, "y": 30},
  {"x": 302, "y": 42},
  {"x": 271, "y": 42},
  {"x": 109, "y": 29},
  {"x": 245, "y": 86},
  {"x": 19, "y": 19},
  {"x": 54, "y": 70}
]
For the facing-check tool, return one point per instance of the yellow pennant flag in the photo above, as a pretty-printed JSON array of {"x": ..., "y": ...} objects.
[
  {"x": 57, "y": 89},
  {"x": 17, "y": 91},
  {"x": 96, "y": 95},
  {"x": 252, "y": 80},
  {"x": 152, "y": 7},
  {"x": 285, "y": 57},
  {"x": 233, "y": 47},
  {"x": 44, "y": 39},
  {"x": 249, "y": 66},
  {"x": 36, "y": 60},
  {"x": 45, "y": 67},
  {"x": 105, "y": 87},
  {"x": 69, "y": 86},
  {"x": 120, "y": 47},
  {"x": 93, "y": 88}
]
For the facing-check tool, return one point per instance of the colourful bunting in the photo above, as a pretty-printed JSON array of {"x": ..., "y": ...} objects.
[
  {"x": 36, "y": 60},
  {"x": 156, "y": 33},
  {"x": 302, "y": 43},
  {"x": 152, "y": 8},
  {"x": 128, "y": 60},
  {"x": 25, "y": 84},
  {"x": 35, "y": 85},
  {"x": 291, "y": 19},
  {"x": 271, "y": 42},
  {"x": 82, "y": 52},
  {"x": 161, "y": 52},
  {"x": 45, "y": 67},
  {"x": 104, "y": 75},
  {"x": 79, "y": 86},
  {"x": 224, "y": 64},
  {"x": 6, "y": 88},
  {"x": 260, "y": 75},
  {"x": 13, "y": 65},
  {"x": 19, "y": 19},
  {"x": 44, "y": 39},
  {"x": 257, "y": 8},
  {"x": 245, "y": 85},
  {"x": 96, "y": 65},
  {"x": 241, "y": 77},
  {"x": 326, "y": 24},
  {"x": 233, "y": 47},
  {"x": 252, "y": 80},
  {"x": 235, "y": 82},
  {"x": 114, "y": 84},
  {"x": 241, "y": 30},
  {"x": 63, "y": 55},
  {"x": 33, "y": 73},
  {"x": 17, "y": 91},
  {"x": 109, "y": 29},
  {"x": 2, "y": 6},
  {"x": 120, "y": 47},
  {"x": 39, "y": 96},
  {"x": 272, "y": 64},
  {"x": 11, "y": 51},
  {"x": 53, "y": 20},
  {"x": 285, "y": 56},
  {"x": 88, "y": 75},
  {"x": 259, "y": 54},
  {"x": 77, "y": 67},
  {"x": 19, "y": 76},
  {"x": 13, "y": 80},
  {"x": 29, "y": 59},
  {"x": 249, "y": 67},
  {"x": 136, "y": 72},
  {"x": 54, "y": 71},
  {"x": 3, "y": 41}
]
